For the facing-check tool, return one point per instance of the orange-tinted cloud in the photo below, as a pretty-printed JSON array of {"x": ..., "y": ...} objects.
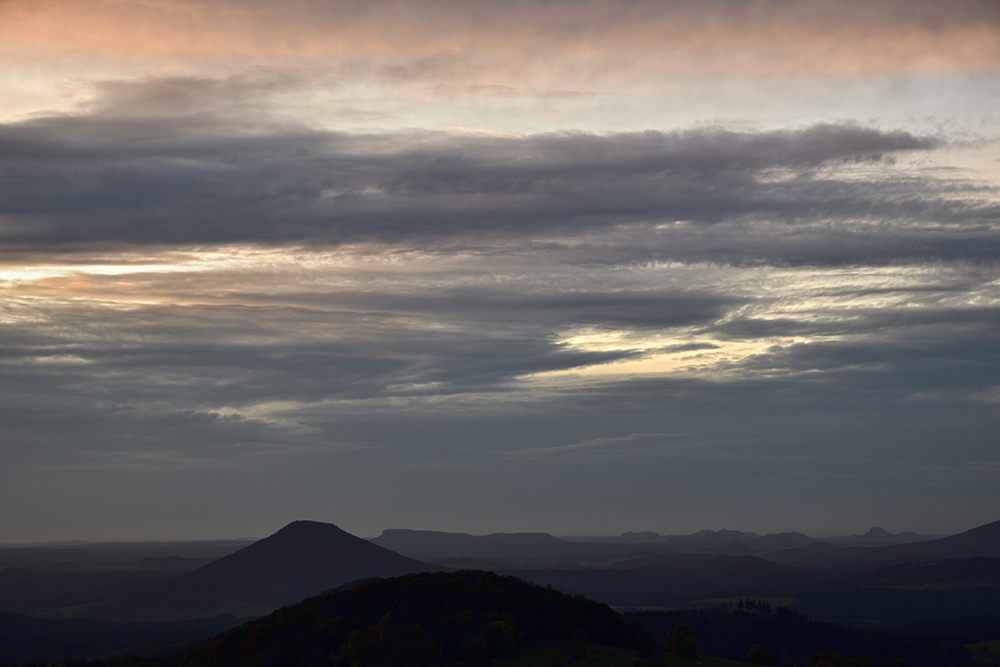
[{"x": 573, "y": 40}]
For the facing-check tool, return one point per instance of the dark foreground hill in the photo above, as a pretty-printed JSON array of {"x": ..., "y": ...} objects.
[
  {"x": 419, "y": 619},
  {"x": 302, "y": 559}
]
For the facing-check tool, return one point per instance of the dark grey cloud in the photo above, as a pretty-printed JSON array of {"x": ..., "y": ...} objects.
[
  {"x": 554, "y": 309},
  {"x": 820, "y": 194}
]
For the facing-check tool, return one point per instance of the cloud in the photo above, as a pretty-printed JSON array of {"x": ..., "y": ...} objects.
[
  {"x": 831, "y": 37},
  {"x": 236, "y": 256},
  {"x": 816, "y": 195}
]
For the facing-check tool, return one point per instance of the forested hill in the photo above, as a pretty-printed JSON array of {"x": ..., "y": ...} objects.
[{"x": 428, "y": 618}]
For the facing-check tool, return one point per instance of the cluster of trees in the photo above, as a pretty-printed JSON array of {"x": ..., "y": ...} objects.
[{"x": 755, "y": 606}]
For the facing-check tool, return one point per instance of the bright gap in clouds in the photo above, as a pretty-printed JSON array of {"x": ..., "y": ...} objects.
[
  {"x": 828, "y": 301},
  {"x": 812, "y": 304}
]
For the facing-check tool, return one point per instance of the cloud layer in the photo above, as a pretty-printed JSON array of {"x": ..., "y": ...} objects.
[
  {"x": 814, "y": 195},
  {"x": 453, "y": 266}
]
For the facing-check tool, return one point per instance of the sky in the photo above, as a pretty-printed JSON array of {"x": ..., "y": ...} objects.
[{"x": 573, "y": 266}]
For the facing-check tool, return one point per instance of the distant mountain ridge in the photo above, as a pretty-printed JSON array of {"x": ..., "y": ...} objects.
[
  {"x": 445, "y": 546},
  {"x": 977, "y": 542},
  {"x": 307, "y": 557},
  {"x": 434, "y": 545},
  {"x": 982, "y": 541},
  {"x": 878, "y": 536}
]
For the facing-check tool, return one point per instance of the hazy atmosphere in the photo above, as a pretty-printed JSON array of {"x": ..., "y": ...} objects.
[{"x": 581, "y": 267}]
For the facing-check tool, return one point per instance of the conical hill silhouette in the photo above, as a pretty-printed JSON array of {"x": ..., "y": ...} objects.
[{"x": 302, "y": 559}]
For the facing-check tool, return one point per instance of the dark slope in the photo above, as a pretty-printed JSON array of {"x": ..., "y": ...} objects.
[{"x": 304, "y": 558}]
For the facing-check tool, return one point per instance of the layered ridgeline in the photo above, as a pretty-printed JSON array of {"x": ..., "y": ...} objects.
[
  {"x": 302, "y": 559},
  {"x": 466, "y": 617},
  {"x": 877, "y": 586},
  {"x": 875, "y": 548},
  {"x": 958, "y": 576},
  {"x": 980, "y": 542},
  {"x": 306, "y": 558}
]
